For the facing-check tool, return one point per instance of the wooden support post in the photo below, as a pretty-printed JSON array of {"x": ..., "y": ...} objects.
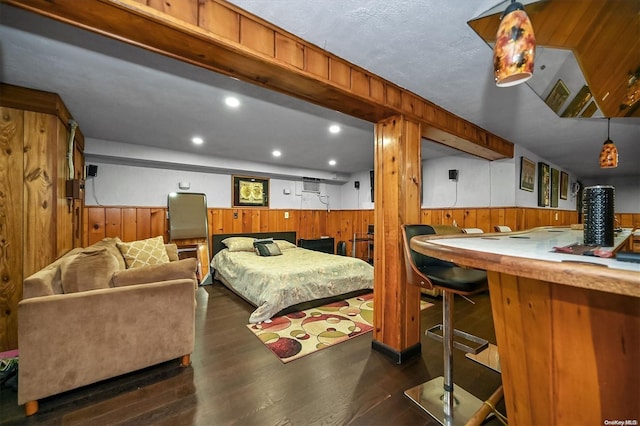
[{"x": 397, "y": 177}]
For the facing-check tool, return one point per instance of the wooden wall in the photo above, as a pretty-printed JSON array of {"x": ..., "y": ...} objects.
[
  {"x": 131, "y": 223},
  {"x": 37, "y": 220}
]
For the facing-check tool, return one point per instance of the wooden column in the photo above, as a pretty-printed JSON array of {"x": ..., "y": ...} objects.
[
  {"x": 396, "y": 329},
  {"x": 37, "y": 224}
]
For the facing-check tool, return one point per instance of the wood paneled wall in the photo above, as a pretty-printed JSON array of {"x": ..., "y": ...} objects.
[
  {"x": 132, "y": 223},
  {"x": 38, "y": 223}
]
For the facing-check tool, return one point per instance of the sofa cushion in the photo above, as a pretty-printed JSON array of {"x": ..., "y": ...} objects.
[
  {"x": 180, "y": 269},
  {"x": 47, "y": 281},
  {"x": 90, "y": 269},
  {"x": 111, "y": 244},
  {"x": 144, "y": 252}
]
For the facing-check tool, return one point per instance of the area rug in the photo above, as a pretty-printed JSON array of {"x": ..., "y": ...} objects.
[{"x": 298, "y": 334}]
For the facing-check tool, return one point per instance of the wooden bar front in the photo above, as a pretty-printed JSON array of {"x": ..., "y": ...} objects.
[{"x": 568, "y": 332}]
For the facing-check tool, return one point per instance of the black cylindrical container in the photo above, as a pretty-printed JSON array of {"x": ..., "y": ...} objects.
[{"x": 598, "y": 215}]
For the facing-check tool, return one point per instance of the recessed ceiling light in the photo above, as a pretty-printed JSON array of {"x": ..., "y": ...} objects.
[
  {"x": 332, "y": 162},
  {"x": 276, "y": 153},
  {"x": 232, "y": 102},
  {"x": 197, "y": 140},
  {"x": 334, "y": 128}
]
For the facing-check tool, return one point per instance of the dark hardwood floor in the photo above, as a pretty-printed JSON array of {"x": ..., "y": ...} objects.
[{"x": 235, "y": 380}]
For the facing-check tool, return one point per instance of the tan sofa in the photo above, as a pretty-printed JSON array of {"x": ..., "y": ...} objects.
[{"x": 88, "y": 317}]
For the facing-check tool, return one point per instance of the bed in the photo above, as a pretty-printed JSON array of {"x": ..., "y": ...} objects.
[{"x": 296, "y": 279}]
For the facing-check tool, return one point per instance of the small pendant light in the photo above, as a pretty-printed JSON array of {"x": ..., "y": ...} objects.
[
  {"x": 609, "y": 152},
  {"x": 514, "y": 51}
]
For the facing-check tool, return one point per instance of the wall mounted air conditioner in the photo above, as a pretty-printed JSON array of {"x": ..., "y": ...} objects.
[{"x": 311, "y": 185}]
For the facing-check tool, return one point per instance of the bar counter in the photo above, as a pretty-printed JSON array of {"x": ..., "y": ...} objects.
[{"x": 567, "y": 326}]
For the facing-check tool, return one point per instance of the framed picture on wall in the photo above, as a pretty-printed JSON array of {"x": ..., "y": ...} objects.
[
  {"x": 544, "y": 184},
  {"x": 564, "y": 185},
  {"x": 555, "y": 186},
  {"x": 527, "y": 174},
  {"x": 558, "y": 96},
  {"x": 249, "y": 191}
]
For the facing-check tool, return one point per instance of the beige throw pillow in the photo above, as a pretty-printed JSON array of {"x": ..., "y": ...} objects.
[
  {"x": 89, "y": 270},
  {"x": 144, "y": 252}
]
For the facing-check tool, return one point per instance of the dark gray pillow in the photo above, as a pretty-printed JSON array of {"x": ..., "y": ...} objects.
[{"x": 266, "y": 248}]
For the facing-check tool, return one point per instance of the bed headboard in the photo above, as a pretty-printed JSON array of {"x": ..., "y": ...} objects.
[{"x": 286, "y": 235}]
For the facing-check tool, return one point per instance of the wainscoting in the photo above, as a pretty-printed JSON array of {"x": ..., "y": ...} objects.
[{"x": 131, "y": 223}]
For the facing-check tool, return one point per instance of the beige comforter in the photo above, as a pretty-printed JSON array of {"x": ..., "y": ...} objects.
[{"x": 299, "y": 275}]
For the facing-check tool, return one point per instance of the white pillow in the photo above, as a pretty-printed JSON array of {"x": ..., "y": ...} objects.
[
  {"x": 239, "y": 243},
  {"x": 284, "y": 245}
]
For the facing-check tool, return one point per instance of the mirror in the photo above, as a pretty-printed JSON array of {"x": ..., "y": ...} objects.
[
  {"x": 558, "y": 80},
  {"x": 189, "y": 229},
  {"x": 583, "y": 65},
  {"x": 187, "y": 216}
]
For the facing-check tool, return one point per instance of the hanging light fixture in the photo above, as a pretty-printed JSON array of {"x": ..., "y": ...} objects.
[
  {"x": 609, "y": 152},
  {"x": 514, "y": 51}
]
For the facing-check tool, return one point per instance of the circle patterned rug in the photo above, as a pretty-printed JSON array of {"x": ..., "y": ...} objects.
[{"x": 298, "y": 334}]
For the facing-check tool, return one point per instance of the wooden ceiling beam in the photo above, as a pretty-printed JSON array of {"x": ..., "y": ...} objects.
[{"x": 223, "y": 38}]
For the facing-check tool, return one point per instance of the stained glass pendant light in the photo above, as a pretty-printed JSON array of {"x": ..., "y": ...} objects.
[
  {"x": 609, "y": 152},
  {"x": 514, "y": 51}
]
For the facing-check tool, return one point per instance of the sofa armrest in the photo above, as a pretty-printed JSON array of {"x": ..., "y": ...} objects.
[{"x": 71, "y": 340}]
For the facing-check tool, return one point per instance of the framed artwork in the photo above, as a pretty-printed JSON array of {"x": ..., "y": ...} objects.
[
  {"x": 544, "y": 184},
  {"x": 555, "y": 186},
  {"x": 249, "y": 191},
  {"x": 564, "y": 185},
  {"x": 578, "y": 102},
  {"x": 558, "y": 96},
  {"x": 527, "y": 174}
]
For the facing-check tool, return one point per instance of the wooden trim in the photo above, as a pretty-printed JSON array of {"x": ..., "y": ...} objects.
[
  {"x": 263, "y": 54},
  {"x": 34, "y": 100},
  {"x": 395, "y": 355}
]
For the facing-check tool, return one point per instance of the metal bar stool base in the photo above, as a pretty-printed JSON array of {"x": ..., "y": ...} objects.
[
  {"x": 429, "y": 396},
  {"x": 479, "y": 344}
]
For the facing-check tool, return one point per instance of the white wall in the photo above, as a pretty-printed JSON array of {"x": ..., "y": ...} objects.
[
  {"x": 480, "y": 183},
  {"x": 123, "y": 185},
  {"x": 530, "y": 199},
  {"x": 627, "y": 192},
  {"x": 484, "y": 183},
  {"x": 357, "y": 199},
  {"x": 130, "y": 185},
  {"x": 133, "y": 175}
]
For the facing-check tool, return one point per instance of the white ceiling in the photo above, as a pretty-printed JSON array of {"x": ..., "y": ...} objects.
[{"x": 122, "y": 93}]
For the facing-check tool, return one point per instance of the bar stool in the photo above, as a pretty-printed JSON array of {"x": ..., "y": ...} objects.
[
  {"x": 502, "y": 228},
  {"x": 437, "y": 396},
  {"x": 472, "y": 230}
]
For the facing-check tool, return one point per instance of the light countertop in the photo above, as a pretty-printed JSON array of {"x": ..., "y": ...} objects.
[{"x": 530, "y": 254}]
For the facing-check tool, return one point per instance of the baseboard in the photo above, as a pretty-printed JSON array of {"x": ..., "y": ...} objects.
[{"x": 397, "y": 356}]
